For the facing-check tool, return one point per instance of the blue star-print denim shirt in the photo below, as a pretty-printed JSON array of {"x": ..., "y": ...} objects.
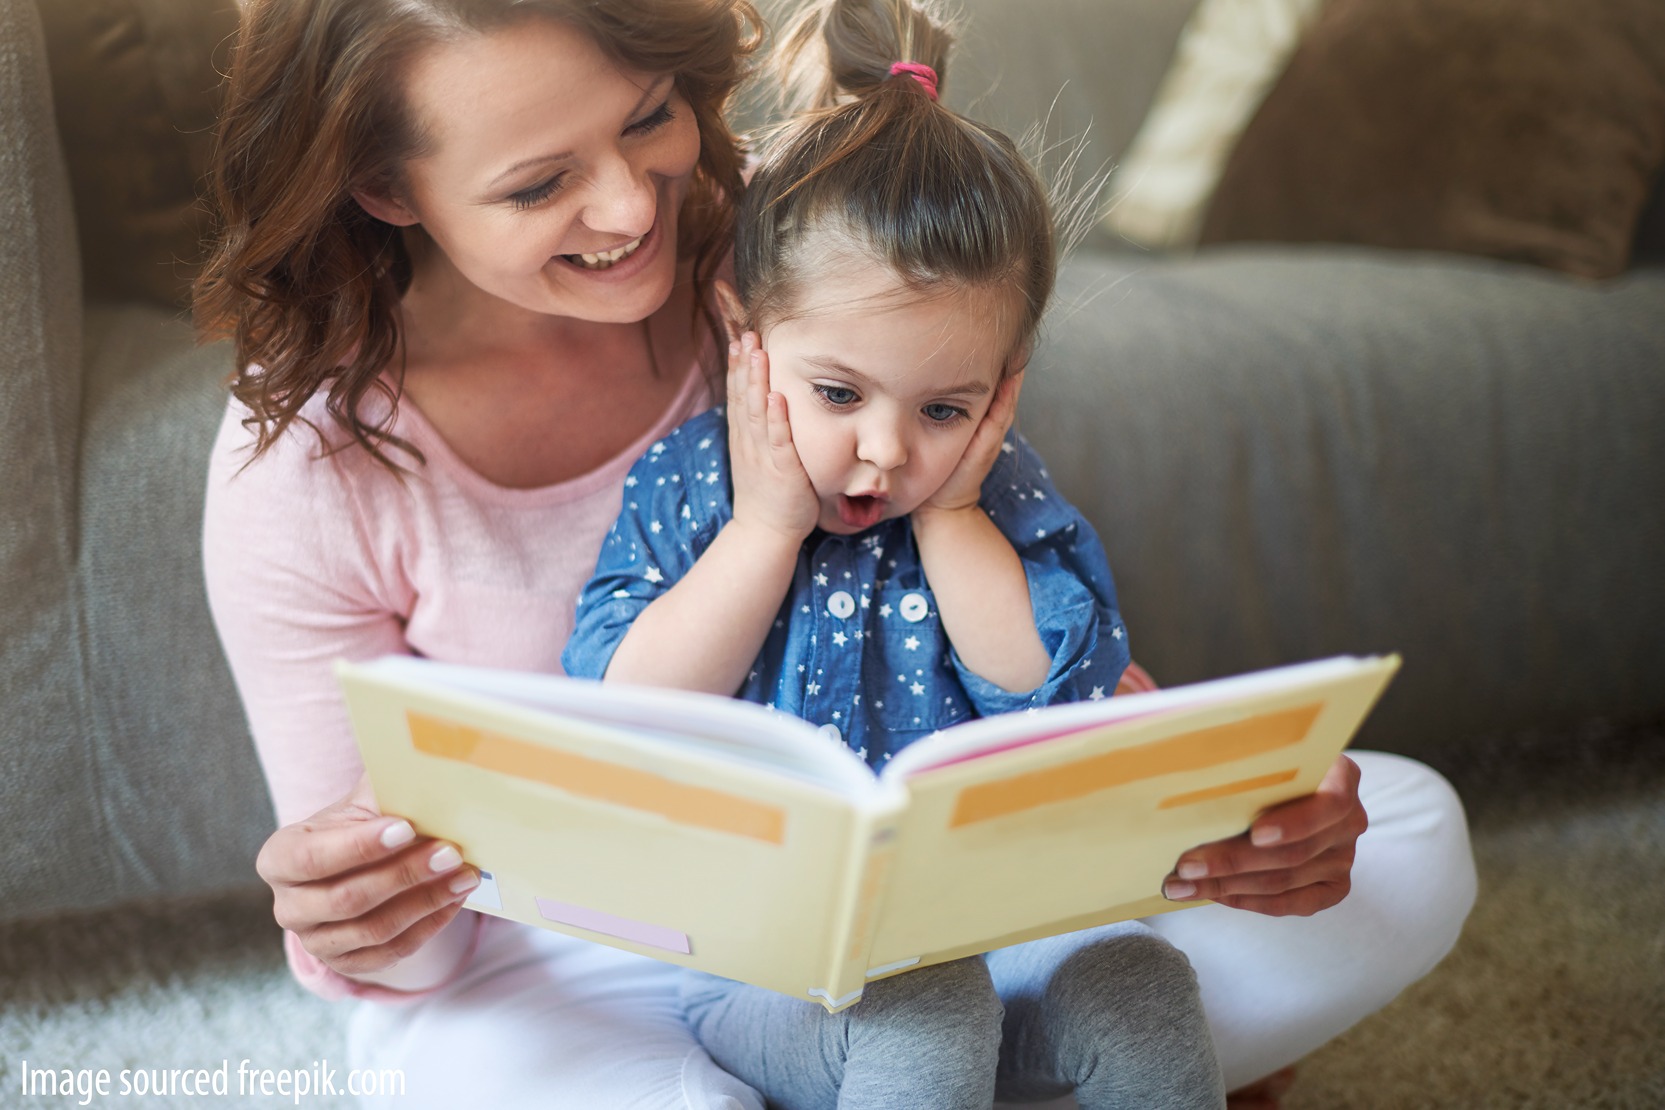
[{"x": 857, "y": 643}]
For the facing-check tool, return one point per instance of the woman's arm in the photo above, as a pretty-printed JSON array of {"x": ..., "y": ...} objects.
[{"x": 286, "y": 563}]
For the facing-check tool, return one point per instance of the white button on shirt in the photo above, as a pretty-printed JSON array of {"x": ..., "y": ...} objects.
[
  {"x": 841, "y": 604},
  {"x": 913, "y": 608}
]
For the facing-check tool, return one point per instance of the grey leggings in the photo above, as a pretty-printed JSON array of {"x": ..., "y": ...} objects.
[{"x": 1112, "y": 1014}]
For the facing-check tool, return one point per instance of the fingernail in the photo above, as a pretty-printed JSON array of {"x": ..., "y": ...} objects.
[
  {"x": 1192, "y": 869},
  {"x": 397, "y": 833},
  {"x": 465, "y": 882},
  {"x": 1178, "y": 892},
  {"x": 444, "y": 859},
  {"x": 1262, "y": 835}
]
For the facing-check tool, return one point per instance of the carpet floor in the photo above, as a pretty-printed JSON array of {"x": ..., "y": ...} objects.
[{"x": 1553, "y": 999}]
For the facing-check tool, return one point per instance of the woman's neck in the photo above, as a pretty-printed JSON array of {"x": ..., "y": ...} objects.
[{"x": 529, "y": 399}]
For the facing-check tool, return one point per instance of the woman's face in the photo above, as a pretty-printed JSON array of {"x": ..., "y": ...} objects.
[{"x": 551, "y": 178}]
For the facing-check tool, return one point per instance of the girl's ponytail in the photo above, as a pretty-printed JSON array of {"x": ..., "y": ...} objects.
[
  {"x": 872, "y": 164},
  {"x": 839, "y": 49}
]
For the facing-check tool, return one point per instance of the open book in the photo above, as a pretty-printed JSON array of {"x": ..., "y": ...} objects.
[{"x": 733, "y": 838}]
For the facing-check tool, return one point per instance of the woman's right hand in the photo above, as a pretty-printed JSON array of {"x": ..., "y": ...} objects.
[{"x": 359, "y": 889}]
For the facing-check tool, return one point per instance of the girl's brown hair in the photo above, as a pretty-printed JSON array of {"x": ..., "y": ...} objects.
[
  {"x": 871, "y": 160},
  {"x": 303, "y": 279}
]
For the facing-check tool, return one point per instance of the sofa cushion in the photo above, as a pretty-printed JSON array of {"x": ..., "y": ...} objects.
[
  {"x": 1293, "y": 452},
  {"x": 165, "y": 722},
  {"x": 1530, "y": 130},
  {"x": 136, "y": 87},
  {"x": 47, "y": 792},
  {"x": 1228, "y": 58}
]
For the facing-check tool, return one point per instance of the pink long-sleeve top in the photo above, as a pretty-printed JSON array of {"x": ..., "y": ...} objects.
[{"x": 314, "y": 555}]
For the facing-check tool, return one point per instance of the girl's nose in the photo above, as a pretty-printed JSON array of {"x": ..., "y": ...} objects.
[
  {"x": 881, "y": 443},
  {"x": 623, "y": 200}
]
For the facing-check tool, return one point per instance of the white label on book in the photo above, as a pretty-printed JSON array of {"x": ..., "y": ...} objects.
[{"x": 485, "y": 896}]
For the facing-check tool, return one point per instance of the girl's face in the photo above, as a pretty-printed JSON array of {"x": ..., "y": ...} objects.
[
  {"x": 884, "y": 388},
  {"x": 551, "y": 178}
]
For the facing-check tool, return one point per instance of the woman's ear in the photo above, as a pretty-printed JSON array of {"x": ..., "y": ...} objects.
[{"x": 385, "y": 207}]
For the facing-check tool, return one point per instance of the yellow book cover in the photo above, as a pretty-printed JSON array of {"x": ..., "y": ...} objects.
[{"x": 730, "y": 837}]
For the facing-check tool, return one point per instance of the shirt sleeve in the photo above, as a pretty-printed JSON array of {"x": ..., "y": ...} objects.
[
  {"x": 291, "y": 589},
  {"x": 1070, "y": 588},
  {"x": 676, "y": 498}
]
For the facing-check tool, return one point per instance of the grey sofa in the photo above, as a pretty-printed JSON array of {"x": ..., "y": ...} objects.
[{"x": 1290, "y": 452}]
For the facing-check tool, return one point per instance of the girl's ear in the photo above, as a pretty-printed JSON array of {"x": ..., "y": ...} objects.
[{"x": 385, "y": 207}]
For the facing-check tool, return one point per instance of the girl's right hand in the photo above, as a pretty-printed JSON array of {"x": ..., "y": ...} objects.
[
  {"x": 361, "y": 890},
  {"x": 771, "y": 487}
]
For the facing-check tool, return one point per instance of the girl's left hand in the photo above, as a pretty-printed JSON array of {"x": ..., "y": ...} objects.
[
  {"x": 964, "y": 487},
  {"x": 1296, "y": 859}
]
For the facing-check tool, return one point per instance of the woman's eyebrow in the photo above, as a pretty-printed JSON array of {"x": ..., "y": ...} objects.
[{"x": 649, "y": 94}]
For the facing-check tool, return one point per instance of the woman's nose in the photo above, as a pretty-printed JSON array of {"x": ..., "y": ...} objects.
[{"x": 623, "y": 200}]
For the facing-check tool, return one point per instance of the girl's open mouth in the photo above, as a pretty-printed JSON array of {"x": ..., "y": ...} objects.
[{"x": 862, "y": 510}]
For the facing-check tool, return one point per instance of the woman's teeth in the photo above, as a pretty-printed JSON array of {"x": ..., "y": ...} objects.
[{"x": 605, "y": 259}]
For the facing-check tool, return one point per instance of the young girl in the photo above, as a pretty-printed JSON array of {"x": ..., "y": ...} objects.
[{"x": 859, "y": 540}]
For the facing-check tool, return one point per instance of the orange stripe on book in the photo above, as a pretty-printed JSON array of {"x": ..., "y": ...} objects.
[
  {"x": 1191, "y": 751},
  {"x": 1241, "y": 786},
  {"x": 597, "y": 779}
]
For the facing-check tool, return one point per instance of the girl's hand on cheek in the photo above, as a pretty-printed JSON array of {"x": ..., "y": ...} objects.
[
  {"x": 964, "y": 487},
  {"x": 771, "y": 488}
]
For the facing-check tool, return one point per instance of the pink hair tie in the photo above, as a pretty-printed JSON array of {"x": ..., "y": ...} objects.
[{"x": 924, "y": 74}]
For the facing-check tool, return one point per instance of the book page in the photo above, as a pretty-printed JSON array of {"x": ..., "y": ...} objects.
[
  {"x": 723, "y": 727},
  {"x": 1080, "y": 829},
  {"x": 989, "y": 735}
]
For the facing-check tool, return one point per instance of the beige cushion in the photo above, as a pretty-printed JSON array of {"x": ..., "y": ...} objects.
[
  {"x": 1228, "y": 57},
  {"x": 1530, "y": 130},
  {"x": 136, "y": 88}
]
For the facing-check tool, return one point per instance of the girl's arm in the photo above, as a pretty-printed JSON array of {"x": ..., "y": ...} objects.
[
  {"x": 981, "y": 588},
  {"x": 705, "y": 632},
  {"x": 982, "y": 594}
]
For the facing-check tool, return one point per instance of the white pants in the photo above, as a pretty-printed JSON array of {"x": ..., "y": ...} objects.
[{"x": 543, "y": 1020}]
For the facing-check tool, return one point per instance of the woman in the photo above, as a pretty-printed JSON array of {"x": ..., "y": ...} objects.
[{"x": 466, "y": 253}]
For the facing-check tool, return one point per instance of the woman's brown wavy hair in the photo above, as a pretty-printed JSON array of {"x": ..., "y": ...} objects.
[{"x": 303, "y": 279}]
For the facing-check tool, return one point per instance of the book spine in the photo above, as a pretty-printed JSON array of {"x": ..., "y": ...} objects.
[{"x": 873, "y": 845}]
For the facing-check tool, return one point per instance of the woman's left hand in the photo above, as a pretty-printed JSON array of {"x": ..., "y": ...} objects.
[{"x": 1296, "y": 859}]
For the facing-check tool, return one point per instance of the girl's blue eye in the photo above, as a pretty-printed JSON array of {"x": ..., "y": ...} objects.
[
  {"x": 837, "y": 396},
  {"x": 939, "y": 413},
  {"x": 537, "y": 194}
]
